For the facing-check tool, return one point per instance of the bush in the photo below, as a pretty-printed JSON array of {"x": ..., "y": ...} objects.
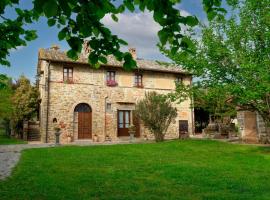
[{"x": 157, "y": 113}]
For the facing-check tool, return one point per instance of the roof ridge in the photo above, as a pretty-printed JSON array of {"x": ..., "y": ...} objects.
[{"x": 144, "y": 64}]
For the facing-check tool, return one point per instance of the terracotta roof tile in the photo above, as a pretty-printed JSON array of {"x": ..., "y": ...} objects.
[{"x": 60, "y": 56}]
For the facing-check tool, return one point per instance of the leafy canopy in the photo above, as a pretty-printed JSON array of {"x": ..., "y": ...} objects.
[
  {"x": 25, "y": 102},
  {"x": 233, "y": 53},
  {"x": 6, "y": 93},
  {"x": 78, "y": 20}
]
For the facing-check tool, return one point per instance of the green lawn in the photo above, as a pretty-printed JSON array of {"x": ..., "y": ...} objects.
[
  {"x": 186, "y": 170},
  {"x": 7, "y": 140}
]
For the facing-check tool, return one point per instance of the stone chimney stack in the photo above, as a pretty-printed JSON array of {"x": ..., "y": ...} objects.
[
  {"x": 86, "y": 49},
  {"x": 133, "y": 52},
  {"x": 55, "y": 47}
]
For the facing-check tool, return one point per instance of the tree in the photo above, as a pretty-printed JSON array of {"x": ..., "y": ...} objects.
[
  {"x": 216, "y": 101},
  {"x": 78, "y": 20},
  {"x": 25, "y": 103},
  {"x": 157, "y": 113},
  {"x": 233, "y": 53},
  {"x": 6, "y": 92}
]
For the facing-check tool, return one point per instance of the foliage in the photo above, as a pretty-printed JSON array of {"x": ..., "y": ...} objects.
[
  {"x": 6, "y": 93},
  {"x": 233, "y": 54},
  {"x": 80, "y": 20},
  {"x": 157, "y": 113},
  {"x": 5, "y": 139},
  {"x": 25, "y": 102},
  {"x": 216, "y": 101},
  {"x": 187, "y": 170},
  {"x": 3, "y": 81}
]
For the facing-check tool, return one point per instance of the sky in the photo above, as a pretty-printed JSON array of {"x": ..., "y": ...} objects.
[{"x": 138, "y": 29}]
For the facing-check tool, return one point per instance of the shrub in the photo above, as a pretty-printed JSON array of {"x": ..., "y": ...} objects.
[{"x": 157, "y": 113}]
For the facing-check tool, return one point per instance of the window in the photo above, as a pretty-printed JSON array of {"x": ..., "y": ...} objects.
[
  {"x": 123, "y": 119},
  {"x": 179, "y": 80},
  {"x": 110, "y": 79},
  {"x": 123, "y": 122},
  {"x": 138, "y": 80},
  {"x": 68, "y": 74},
  {"x": 110, "y": 76}
]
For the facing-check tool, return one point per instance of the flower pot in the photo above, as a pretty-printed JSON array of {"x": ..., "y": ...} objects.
[
  {"x": 95, "y": 138},
  {"x": 69, "y": 139},
  {"x": 57, "y": 136},
  {"x": 131, "y": 135}
]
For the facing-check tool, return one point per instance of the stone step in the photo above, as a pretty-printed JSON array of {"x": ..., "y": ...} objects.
[{"x": 34, "y": 137}]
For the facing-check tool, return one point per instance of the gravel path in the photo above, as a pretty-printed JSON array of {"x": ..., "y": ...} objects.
[{"x": 10, "y": 155}]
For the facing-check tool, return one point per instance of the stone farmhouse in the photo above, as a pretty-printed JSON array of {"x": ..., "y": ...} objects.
[{"x": 97, "y": 104}]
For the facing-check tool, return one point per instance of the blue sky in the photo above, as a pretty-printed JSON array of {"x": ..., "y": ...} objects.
[{"x": 138, "y": 29}]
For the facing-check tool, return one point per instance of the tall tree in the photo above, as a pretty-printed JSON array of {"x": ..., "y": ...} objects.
[
  {"x": 6, "y": 93},
  {"x": 25, "y": 103},
  {"x": 233, "y": 53},
  {"x": 81, "y": 19}
]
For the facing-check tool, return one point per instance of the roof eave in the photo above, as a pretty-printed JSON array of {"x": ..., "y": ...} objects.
[{"x": 115, "y": 66}]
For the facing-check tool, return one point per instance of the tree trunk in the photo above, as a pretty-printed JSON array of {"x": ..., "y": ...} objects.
[{"x": 159, "y": 137}]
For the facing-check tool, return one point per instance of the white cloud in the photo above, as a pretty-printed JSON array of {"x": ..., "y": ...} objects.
[
  {"x": 139, "y": 30},
  {"x": 17, "y": 49}
]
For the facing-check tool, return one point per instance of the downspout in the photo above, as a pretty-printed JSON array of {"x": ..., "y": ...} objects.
[
  {"x": 192, "y": 112},
  {"x": 192, "y": 118},
  {"x": 105, "y": 101},
  {"x": 48, "y": 103}
]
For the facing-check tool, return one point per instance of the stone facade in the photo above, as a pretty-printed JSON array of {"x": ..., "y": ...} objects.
[
  {"x": 252, "y": 127},
  {"x": 59, "y": 99}
]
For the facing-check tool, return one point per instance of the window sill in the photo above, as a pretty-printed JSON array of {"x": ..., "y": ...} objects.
[
  {"x": 66, "y": 82},
  {"x": 111, "y": 85},
  {"x": 138, "y": 86}
]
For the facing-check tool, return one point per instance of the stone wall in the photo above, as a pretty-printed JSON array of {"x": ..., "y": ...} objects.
[
  {"x": 252, "y": 127},
  {"x": 89, "y": 87}
]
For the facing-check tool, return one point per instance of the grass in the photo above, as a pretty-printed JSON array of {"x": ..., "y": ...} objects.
[
  {"x": 186, "y": 170},
  {"x": 4, "y": 139}
]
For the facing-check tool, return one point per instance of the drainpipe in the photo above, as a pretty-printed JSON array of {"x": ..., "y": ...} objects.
[
  {"x": 192, "y": 112},
  {"x": 48, "y": 102},
  {"x": 105, "y": 101}
]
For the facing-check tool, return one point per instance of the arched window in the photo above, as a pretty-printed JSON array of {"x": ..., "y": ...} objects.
[{"x": 82, "y": 107}]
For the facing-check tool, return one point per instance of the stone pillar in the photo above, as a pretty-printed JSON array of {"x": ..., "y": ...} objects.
[{"x": 25, "y": 130}]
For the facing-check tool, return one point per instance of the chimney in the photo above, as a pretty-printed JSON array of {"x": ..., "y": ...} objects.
[
  {"x": 86, "y": 49},
  {"x": 132, "y": 51},
  {"x": 55, "y": 47}
]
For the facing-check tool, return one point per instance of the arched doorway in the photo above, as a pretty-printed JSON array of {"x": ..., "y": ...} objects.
[{"x": 84, "y": 113}]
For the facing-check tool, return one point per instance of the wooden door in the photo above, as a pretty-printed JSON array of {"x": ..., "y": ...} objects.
[
  {"x": 123, "y": 122},
  {"x": 183, "y": 128},
  {"x": 136, "y": 123},
  {"x": 84, "y": 125}
]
